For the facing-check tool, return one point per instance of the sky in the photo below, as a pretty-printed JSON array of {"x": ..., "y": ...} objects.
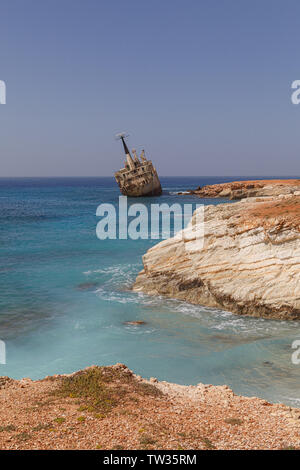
[{"x": 203, "y": 85}]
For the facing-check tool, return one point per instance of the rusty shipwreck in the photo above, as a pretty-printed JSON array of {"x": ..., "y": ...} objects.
[{"x": 139, "y": 177}]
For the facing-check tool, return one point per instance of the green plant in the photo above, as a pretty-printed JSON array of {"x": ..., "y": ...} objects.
[
  {"x": 41, "y": 427},
  {"x": 234, "y": 421},
  {"x": 208, "y": 443},
  {"x": 60, "y": 420},
  {"x": 9, "y": 427},
  {"x": 147, "y": 440},
  {"x": 88, "y": 386},
  {"x": 99, "y": 389},
  {"x": 23, "y": 436}
]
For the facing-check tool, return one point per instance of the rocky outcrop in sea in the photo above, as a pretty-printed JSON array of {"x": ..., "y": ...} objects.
[
  {"x": 244, "y": 189},
  {"x": 249, "y": 263}
]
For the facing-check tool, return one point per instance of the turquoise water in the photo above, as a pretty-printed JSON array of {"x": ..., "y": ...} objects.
[{"x": 64, "y": 296}]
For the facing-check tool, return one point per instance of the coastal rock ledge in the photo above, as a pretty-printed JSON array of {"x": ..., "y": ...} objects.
[
  {"x": 112, "y": 408},
  {"x": 249, "y": 263}
]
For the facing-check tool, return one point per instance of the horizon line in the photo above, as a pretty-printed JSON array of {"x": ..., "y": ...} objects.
[{"x": 161, "y": 176}]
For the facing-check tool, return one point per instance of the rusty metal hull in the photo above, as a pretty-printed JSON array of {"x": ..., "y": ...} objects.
[
  {"x": 150, "y": 189},
  {"x": 140, "y": 180}
]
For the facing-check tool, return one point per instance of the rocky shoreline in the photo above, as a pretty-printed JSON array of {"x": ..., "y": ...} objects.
[
  {"x": 243, "y": 189},
  {"x": 250, "y": 260},
  {"x": 112, "y": 408}
]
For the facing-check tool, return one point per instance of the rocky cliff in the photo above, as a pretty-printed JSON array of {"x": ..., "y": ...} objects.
[
  {"x": 249, "y": 263},
  {"x": 243, "y": 189}
]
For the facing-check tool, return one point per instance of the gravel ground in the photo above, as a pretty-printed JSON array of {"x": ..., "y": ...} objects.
[{"x": 47, "y": 414}]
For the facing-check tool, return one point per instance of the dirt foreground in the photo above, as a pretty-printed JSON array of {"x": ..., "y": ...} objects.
[{"x": 111, "y": 408}]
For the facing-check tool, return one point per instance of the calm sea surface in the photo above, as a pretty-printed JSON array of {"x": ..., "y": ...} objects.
[{"x": 64, "y": 296}]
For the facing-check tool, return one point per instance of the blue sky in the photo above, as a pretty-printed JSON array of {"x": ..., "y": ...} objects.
[{"x": 203, "y": 85}]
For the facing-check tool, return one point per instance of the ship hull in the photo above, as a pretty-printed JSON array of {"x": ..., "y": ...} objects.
[{"x": 146, "y": 190}]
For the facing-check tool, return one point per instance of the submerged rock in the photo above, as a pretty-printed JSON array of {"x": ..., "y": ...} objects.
[
  {"x": 249, "y": 263},
  {"x": 138, "y": 322},
  {"x": 87, "y": 286}
]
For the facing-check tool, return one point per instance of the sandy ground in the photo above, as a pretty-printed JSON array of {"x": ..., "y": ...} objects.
[{"x": 144, "y": 415}]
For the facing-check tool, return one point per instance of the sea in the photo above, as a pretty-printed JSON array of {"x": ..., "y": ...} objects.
[{"x": 65, "y": 298}]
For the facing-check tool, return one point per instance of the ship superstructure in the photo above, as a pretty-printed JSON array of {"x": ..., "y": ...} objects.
[{"x": 138, "y": 177}]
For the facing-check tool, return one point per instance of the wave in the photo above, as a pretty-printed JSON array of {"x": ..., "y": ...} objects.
[
  {"x": 121, "y": 276},
  {"x": 116, "y": 282}
]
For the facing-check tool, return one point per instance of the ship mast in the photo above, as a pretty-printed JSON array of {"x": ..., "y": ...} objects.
[
  {"x": 125, "y": 145},
  {"x": 129, "y": 159}
]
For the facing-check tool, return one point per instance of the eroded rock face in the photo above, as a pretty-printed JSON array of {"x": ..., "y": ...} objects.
[
  {"x": 243, "y": 189},
  {"x": 249, "y": 263}
]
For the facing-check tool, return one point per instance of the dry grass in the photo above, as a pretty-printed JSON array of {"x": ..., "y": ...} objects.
[{"x": 100, "y": 389}]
